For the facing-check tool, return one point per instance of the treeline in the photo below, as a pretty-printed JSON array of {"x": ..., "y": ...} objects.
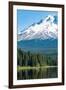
[{"x": 32, "y": 59}]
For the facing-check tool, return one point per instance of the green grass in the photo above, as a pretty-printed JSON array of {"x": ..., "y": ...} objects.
[{"x": 29, "y": 68}]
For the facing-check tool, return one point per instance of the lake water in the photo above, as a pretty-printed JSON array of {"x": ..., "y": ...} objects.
[{"x": 37, "y": 73}]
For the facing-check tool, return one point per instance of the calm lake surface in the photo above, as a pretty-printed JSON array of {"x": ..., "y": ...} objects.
[{"x": 40, "y": 73}]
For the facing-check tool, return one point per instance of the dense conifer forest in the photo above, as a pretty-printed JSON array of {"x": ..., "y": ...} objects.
[{"x": 35, "y": 59}]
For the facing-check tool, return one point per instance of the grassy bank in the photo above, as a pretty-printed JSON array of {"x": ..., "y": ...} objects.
[{"x": 28, "y": 67}]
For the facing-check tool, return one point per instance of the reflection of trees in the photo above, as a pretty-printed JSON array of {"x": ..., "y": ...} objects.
[{"x": 37, "y": 73}]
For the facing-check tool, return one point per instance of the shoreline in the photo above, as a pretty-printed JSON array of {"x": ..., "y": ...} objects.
[{"x": 37, "y": 67}]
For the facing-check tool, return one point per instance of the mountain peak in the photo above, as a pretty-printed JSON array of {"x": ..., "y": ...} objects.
[
  {"x": 49, "y": 18},
  {"x": 44, "y": 29}
]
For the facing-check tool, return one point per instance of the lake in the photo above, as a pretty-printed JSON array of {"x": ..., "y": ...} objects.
[{"x": 40, "y": 73}]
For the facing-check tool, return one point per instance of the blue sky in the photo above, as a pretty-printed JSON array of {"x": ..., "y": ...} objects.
[{"x": 27, "y": 17}]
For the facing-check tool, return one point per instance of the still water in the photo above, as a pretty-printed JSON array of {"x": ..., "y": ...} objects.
[{"x": 37, "y": 73}]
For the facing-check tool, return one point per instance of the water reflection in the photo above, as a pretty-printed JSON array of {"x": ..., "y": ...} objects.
[{"x": 37, "y": 73}]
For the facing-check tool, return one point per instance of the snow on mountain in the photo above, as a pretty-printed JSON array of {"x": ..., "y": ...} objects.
[{"x": 44, "y": 29}]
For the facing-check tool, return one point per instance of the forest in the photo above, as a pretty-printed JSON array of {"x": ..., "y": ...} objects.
[{"x": 25, "y": 59}]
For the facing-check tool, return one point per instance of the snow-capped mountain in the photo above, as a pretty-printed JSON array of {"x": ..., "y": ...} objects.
[{"x": 44, "y": 29}]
